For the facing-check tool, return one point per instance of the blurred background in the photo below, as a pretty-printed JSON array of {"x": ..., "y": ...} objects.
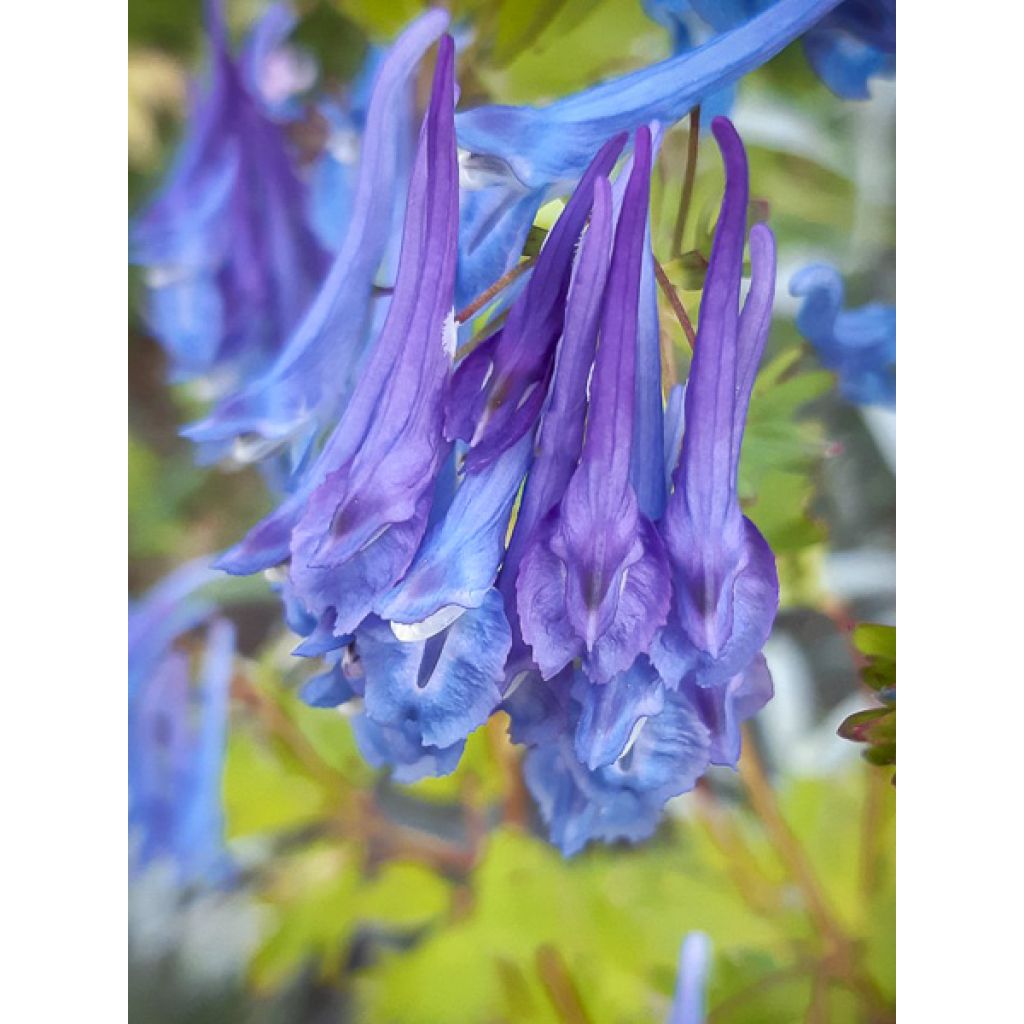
[{"x": 348, "y": 897}]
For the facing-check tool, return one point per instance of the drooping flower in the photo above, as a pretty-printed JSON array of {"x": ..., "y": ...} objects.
[
  {"x": 354, "y": 526},
  {"x": 725, "y": 585},
  {"x": 435, "y": 660},
  {"x": 177, "y": 721},
  {"x": 310, "y": 382},
  {"x": 848, "y": 47},
  {"x": 859, "y": 345},
  {"x": 688, "y": 1004},
  {"x": 593, "y": 583},
  {"x": 546, "y": 145},
  {"x": 514, "y": 158},
  {"x": 231, "y": 263}
]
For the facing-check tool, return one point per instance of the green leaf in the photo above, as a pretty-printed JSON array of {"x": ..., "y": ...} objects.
[{"x": 876, "y": 641}]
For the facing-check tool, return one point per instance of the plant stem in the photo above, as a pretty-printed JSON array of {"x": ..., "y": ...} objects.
[
  {"x": 503, "y": 282},
  {"x": 560, "y": 987},
  {"x": 670, "y": 293},
  {"x": 689, "y": 174},
  {"x": 786, "y": 844}
]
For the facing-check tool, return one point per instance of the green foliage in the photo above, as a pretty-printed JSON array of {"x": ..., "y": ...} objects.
[
  {"x": 876, "y": 726},
  {"x": 616, "y": 918}
]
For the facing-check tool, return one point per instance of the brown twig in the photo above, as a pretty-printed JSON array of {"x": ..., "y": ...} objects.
[
  {"x": 503, "y": 282},
  {"x": 787, "y": 846},
  {"x": 839, "y": 958},
  {"x": 689, "y": 175},
  {"x": 560, "y": 987},
  {"x": 516, "y": 802},
  {"x": 670, "y": 293}
]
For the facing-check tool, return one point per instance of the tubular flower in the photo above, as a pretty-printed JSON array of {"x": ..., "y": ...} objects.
[
  {"x": 176, "y": 730},
  {"x": 593, "y": 583},
  {"x": 725, "y": 586},
  {"x": 307, "y": 386},
  {"x": 353, "y": 527},
  {"x": 231, "y": 261},
  {"x": 514, "y": 158},
  {"x": 859, "y": 345},
  {"x": 546, "y": 145},
  {"x": 849, "y": 46}
]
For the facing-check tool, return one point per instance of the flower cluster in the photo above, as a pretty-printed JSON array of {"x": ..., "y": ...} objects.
[{"x": 496, "y": 510}]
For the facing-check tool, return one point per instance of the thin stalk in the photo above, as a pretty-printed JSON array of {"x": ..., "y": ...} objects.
[
  {"x": 560, "y": 986},
  {"x": 503, "y": 282},
  {"x": 670, "y": 293},
  {"x": 689, "y": 175}
]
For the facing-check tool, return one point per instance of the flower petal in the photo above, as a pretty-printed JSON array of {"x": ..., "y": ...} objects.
[{"x": 445, "y": 686}]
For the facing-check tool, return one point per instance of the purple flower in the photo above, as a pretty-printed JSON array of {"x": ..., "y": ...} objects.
[
  {"x": 307, "y": 387},
  {"x": 231, "y": 262},
  {"x": 725, "y": 586},
  {"x": 593, "y": 583},
  {"x": 353, "y": 527}
]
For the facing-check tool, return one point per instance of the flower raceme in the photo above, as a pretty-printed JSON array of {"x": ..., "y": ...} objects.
[
  {"x": 526, "y": 528},
  {"x": 622, "y": 637}
]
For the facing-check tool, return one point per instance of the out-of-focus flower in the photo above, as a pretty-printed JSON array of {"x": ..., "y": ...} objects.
[
  {"x": 177, "y": 721},
  {"x": 852, "y": 45},
  {"x": 334, "y": 177},
  {"x": 725, "y": 586},
  {"x": 309, "y": 384},
  {"x": 231, "y": 261},
  {"x": 689, "y": 1001},
  {"x": 859, "y": 345}
]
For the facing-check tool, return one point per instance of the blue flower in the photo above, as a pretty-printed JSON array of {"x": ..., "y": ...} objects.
[
  {"x": 547, "y": 145},
  {"x": 859, "y": 345},
  {"x": 847, "y": 47},
  {"x": 725, "y": 585},
  {"x": 665, "y": 756},
  {"x": 689, "y": 1001},
  {"x": 335, "y": 174},
  {"x": 308, "y": 386},
  {"x": 854, "y": 44},
  {"x": 231, "y": 261},
  {"x": 177, "y": 729}
]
